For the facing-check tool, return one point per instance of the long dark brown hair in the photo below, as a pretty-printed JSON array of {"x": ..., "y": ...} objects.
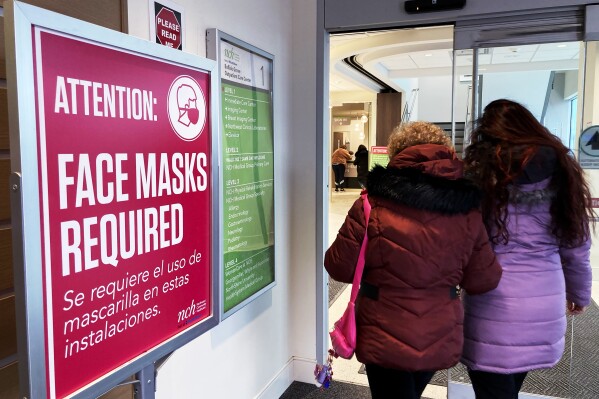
[{"x": 504, "y": 140}]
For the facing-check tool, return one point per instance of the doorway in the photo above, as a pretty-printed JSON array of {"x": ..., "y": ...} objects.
[{"x": 447, "y": 80}]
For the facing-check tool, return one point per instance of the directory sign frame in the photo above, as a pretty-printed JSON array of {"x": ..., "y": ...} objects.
[
  {"x": 247, "y": 169},
  {"x": 113, "y": 193}
]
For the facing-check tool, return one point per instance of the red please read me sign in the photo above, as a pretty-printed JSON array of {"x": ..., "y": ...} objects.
[
  {"x": 168, "y": 28},
  {"x": 124, "y": 153}
]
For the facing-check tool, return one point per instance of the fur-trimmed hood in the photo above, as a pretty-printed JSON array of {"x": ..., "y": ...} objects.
[
  {"x": 532, "y": 194},
  {"x": 414, "y": 183}
]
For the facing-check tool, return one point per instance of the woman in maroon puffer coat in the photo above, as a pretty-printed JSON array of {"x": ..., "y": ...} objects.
[{"x": 426, "y": 237}]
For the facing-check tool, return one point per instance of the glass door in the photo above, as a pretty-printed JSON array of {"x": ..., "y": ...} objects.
[
  {"x": 584, "y": 329},
  {"x": 558, "y": 81},
  {"x": 447, "y": 75}
]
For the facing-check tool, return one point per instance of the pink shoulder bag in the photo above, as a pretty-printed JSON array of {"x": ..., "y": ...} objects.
[{"x": 343, "y": 336}]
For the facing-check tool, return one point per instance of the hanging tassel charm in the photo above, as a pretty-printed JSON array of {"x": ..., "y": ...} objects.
[{"x": 323, "y": 374}]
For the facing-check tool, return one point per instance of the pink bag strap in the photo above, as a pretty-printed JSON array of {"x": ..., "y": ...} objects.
[{"x": 361, "y": 258}]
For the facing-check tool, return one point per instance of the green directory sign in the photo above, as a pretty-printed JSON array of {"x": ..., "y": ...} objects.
[
  {"x": 378, "y": 156},
  {"x": 247, "y": 167}
]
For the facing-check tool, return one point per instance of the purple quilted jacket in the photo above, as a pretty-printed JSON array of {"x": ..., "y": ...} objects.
[{"x": 520, "y": 325}]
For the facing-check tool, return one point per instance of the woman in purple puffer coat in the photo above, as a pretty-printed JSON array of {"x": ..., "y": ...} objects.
[{"x": 537, "y": 209}]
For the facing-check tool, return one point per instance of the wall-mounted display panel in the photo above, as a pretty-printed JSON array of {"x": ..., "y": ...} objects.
[
  {"x": 588, "y": 148},
  {"x": 114, "y": 176},
  {"x": 247, "y": 170},
  {"x": 378, "y": 156}
]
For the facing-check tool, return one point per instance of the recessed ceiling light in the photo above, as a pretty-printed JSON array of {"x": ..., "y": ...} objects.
[{"x": 428, "y": 55}]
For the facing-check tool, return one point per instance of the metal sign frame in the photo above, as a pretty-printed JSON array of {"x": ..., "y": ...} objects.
[
  {"x": 20, "y": 23},
  {"x": 214, "y": 39}
]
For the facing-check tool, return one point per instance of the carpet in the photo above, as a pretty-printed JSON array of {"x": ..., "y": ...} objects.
[
  {"x": 573, "y": 377},
  {"x": 338, "y": 390},
  {"x": 335, "y": 289}
]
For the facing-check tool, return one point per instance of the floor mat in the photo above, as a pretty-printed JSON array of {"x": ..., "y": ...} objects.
[
  {"x": 301, "y": 390},
  {"x": 572, "y": 377},
  {"x": 335, "y": 289},
  {"x": 340, "y": 390}
]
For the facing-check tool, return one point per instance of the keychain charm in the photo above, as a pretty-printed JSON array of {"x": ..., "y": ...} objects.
[{"x": 323, "y": 374}]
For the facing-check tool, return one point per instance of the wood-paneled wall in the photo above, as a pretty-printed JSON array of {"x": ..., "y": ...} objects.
[
  {"x": 108, "y": 13},
  {"x": 388, "y": 115}
]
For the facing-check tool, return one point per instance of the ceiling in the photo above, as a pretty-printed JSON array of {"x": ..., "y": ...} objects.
[{"x": 395, "y": 55}]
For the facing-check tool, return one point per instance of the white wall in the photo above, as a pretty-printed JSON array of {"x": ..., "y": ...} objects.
[
  {"x": 260, "y": 349},
  {"x": 408, "y": 85},
  {"x": 435, "y": 98},
  {"x": 557, "y": 117},
  {"x": 527, "y": 88},
  {"x": 571, "y": 84}
]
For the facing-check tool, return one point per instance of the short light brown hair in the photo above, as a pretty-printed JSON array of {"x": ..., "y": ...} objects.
[{"x": 414, "y": 133}]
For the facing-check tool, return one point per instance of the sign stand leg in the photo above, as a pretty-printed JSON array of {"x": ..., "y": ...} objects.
[{"x": 145, "y": 387}]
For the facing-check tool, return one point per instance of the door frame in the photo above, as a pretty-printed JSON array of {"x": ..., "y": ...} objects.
[{"x": 468, "y": 27}]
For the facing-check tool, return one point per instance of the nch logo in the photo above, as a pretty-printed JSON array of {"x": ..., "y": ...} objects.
[{"x": 231, "y": 54}]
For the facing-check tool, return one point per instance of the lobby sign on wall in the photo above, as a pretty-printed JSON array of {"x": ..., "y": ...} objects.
[
  {"x": 378, "y": 156},
  {"x": 247, "y": 168},
  {"x": 588, "y": 148},
  {"x": 166, "y": 23},
  {"x": 125, "y": 182}
]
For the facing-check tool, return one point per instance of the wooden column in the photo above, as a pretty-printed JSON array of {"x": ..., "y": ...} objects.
[{"x": 388, "y": 115}]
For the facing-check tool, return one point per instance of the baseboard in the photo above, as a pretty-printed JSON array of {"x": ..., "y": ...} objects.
[{"x": 296, "y": 369}]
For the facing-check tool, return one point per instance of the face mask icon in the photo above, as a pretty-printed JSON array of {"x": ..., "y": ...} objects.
[
  {"x": 187, "y": 102},
  {"x": 187, "y": 107}
]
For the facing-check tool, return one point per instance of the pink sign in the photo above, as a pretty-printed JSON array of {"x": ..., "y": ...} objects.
[
  {"x": 378, "y": 150},
  {"x": 125, "y": 195}
]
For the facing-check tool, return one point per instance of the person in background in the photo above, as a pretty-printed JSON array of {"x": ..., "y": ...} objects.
[
  {"x": 339, "y": 160},
  {"x": 426, "y": 238},
  {"x": 361, "y": 162},
  {"x": 536, "y": 206}
]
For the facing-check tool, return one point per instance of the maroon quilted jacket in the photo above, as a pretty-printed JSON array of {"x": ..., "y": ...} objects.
[{"x": 426, "y": 237}]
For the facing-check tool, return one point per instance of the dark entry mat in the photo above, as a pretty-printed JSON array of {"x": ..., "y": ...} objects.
[
  {"x": 338, "y": 390},
  {"x": 335, "y": 289},
  {"x": 573, "y": 377}
]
